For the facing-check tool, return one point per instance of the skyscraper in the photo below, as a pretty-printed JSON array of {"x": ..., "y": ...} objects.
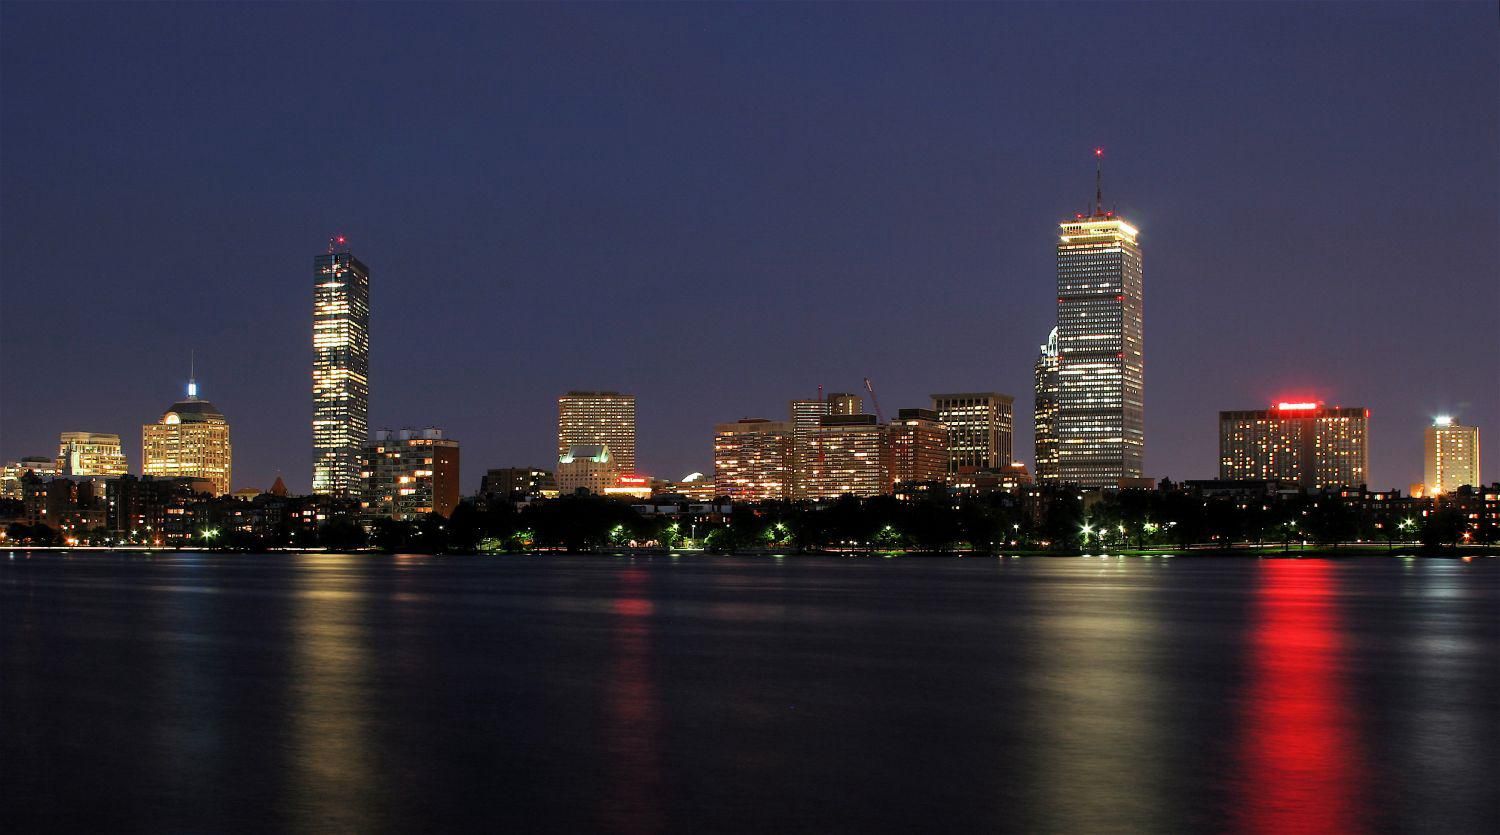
[
  {"x": 806, "y": 415},
  {"x": 190, "y": 441},
  {"x": 1100, "y": 414},
  {"x": 1046, "y": 411},
  {"x": 979, "y": 429},
  {"x": 1306, "y": 443},
  {"x": 753, "y": 459},
  {"x": 341, "y": 369},
  {"x": 586, "y": 418},
  {"x": 90, "y": 454},
  {"x": 1451, "y": 458}
]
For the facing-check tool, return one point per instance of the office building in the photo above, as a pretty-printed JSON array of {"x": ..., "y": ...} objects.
[
  {"x": 1301, "y": 442},
  {"x": 341, "y": 370},
  {"x": 408, "y": 474},
  {"x": 979, "y": 429},
  {"x": 517, "y": 484},
  {"x": 190, "y": 441},
  {"x": 1100, "y": 338},
  {"x": 90, "y": 454},
  {"x": 593, "y": 418},
  {"x": 1046, "y": 411},
  {"x": 41, "y": 466},
  {"x": 806, "y": 416},
  {"x": 919, "y": 446},
  {"x": 586, "y": 467},
  {"x": 753, "y": 459},
  {"x": 850, "y": 455},
  {"x": 1451, "y": 458},
  {"x": 844, "y": 403}
]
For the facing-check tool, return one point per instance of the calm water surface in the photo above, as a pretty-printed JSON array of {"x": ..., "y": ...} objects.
[{"x": 200, "y": 693}]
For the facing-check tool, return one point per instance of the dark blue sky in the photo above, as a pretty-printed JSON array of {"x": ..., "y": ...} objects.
[{"x": 720, "y": 207}]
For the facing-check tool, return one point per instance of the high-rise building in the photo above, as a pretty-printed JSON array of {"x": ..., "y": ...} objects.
[
  {"x": 341, "y": 370},
  {"x": 1046, "y": 411},
  {"x": 850, "y": 454},
  {"x": 40, "y": 466},
  {"x": 919, "y": 446},
  {"x": 979, "y": 429},
  {"x": 591, "y": 418},
  {"x": 588, "y": 467},
  {"x": 806, "y": 416},
  {"x": 408, "y": 474},
  {"x": 1100, "y": 336},
  {"x": 753, "y": 459},
  {"x": 1452, "y": 457},
  {"x": 844, "y": 403},
  {"x": 90, "y": 454},
  {"x": 190, "y": 441},
  {"x": 1306, "y": 443}
]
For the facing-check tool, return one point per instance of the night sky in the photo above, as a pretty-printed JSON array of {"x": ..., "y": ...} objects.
[{"x": 720, "y": 207}]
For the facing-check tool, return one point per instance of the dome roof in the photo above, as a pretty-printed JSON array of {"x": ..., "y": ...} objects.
[{"x": 195, "y": 410}]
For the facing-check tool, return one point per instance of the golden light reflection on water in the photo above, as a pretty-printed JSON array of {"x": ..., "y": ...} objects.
[
  {"x": 1096, "y": 751},
  {"x": 333, "y": 782}
]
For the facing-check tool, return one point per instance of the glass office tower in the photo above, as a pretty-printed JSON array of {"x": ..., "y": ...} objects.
[{"x": 341, "y": 370}]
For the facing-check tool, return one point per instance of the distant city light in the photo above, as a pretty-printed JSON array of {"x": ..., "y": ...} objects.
[{"x": 1442, "y": 420}]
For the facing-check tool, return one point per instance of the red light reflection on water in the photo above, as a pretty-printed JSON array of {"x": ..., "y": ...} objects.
[
  {"x": 631, "y": 724},
  {"x": 1299, "y": 764}
]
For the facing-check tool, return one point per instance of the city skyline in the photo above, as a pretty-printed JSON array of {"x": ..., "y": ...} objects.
[{"x": 487, "y": 362}]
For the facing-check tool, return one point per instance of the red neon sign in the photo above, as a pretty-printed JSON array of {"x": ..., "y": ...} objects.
[{"x": 1285, "y": 406}]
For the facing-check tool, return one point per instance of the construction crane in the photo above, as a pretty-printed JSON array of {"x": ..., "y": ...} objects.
[{"x": 879, "y": 413}]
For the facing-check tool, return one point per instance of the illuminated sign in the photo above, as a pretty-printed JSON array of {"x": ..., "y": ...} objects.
[
  {"x": 1284, "y": 406},
  {"x": 632, "y": 481}
]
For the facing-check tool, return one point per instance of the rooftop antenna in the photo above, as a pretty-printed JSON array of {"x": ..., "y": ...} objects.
[
  {"x": 1098, "y": 180},
  {"x": 336, "y": 241},
  {"x": 192, "y": 374}
]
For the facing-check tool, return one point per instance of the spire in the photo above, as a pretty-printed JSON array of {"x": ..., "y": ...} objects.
[
  {"x": 1098, "y": 181},
  {"x": 192, "y": 375}
]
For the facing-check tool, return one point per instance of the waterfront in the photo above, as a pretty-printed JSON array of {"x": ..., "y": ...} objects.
[{"x": 208, "y": 692}]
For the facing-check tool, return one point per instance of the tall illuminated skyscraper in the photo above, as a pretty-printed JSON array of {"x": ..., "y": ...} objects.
[
  {"x": 1451, "y": 457},
  {"x": 341, "y": 369},
  {"x": 1101, "y": 367},
  {"x": 1303, "y": 442},
  {"x": 598, "y": 417},
  {"x": 1046, "y": 411},
  {"x": 979, "y": 429},
  {"x": 806, "y": 417},
  {"x": 190, "y": 441}
]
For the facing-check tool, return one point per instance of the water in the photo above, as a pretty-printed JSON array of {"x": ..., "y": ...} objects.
[{"x": 197, "y": 693}]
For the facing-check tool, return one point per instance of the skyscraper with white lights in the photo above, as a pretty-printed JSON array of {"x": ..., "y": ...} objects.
[
  {"x": 1100, "y": 335},
  {"x": 341, "y": 369}
]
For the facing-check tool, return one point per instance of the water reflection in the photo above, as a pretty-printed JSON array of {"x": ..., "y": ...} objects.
[
  {"x": 333, "y": 769},
  {"x": 1299, "y": 764},
  {"x": 631, "y": 727}
]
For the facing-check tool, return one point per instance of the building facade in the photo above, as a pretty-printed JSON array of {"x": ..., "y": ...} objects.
[
  {"x": 844, "y": 403},
  {"x": 850, "y": 454},
  {"x": 40, "y": 466},
  {"x": 591, "y": 418},
  {"x": 190, "y": 441},
  {"x": 1306, "y": 443},
  {"x": 586, "y": 467},
  {"x": 341, "y": 370},
  {"x": 753, "y": 459},
  {"x": 1046, "y": 411},
  {"x": 1100, "y": 350},
  {"x": 408, "y": 474},
  {"x": 980, "y": 433},
  {"x": 517, "y": 484},
  {"x": 919, "y": 446},
  {"x": 1451, "y": 457},
  {"x": 90, "y": 454},
  {"x": 806, "y": 416}
]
